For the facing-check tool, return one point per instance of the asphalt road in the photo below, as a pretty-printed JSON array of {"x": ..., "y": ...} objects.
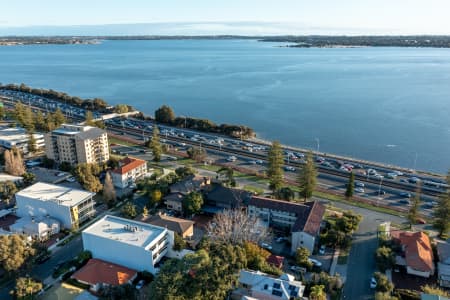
[{"x": 361, "y": 262}]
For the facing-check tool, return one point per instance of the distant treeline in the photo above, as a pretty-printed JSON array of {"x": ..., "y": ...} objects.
[
  {"x": 437, "y": 41},
  {"x": 95, "y": 104},
  {"x": 165, "y": 115}
]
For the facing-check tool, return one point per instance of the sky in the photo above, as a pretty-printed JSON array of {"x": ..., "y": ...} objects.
[{"x": 228, "y": 16}]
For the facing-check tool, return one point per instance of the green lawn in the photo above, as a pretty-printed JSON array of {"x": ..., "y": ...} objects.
[
  {"x": 253, "y": 189},
  {"x": 113, "y": 140}
]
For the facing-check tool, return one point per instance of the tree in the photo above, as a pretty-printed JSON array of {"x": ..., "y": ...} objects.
[
  {"x": 28, "y": 122},
  {"x": 349, "y": 222},
  {"x": 28, "y": 178},
  {"x": 350, "y": 186},
  {"x": 434, "y": 290},
  {"x": 39, "y": 121},
  {"x": 301, "y": 257},
  {"x": 19, "y": 112},
  {"x": 228, "y": 175},
  {"x": 2, "y": 111},
  {"x": 9, "y": 189},
  {"x": 156, "y": 196},
  {"x": 32, "y": 147},
  {"x": 275, "y": 166},
  {"x": 384, "y": 258},
  {"x": 13, "y": 162},
  {"x": 121, "y": 108},
  {"x": 14, "y": 252},
  {"x": 192, "y": 203},
  {"x": 184, "y": 171},
  {"x": 413, "y": 213},
  {"x": 307, "y": 177},
  {"x": 235, "y": 227},
  {"x": 286, "y": 193},
  {"x": 383, "y": 283},
  {"x": 129, "y": 210},
  {"x": 145, "y": 212},
  {"x": 318, "y": 293},
  {"x": 197, "y": 154},
  {"x": 88, "y": 176},
  {"x": 165, "y": 115},
  {"x": 109, "y": 192},
  {"x": 89, "y": 119},
  {"x": 179, "y": 244},
  {"x": 59, "y": 118},
  {"x": 441, "y": 212},
  {"x": 26, "y": 286},
  {"x": 155, "y": 145}
]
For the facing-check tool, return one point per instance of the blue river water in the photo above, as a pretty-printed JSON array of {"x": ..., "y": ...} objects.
[{"x": 390, "y": 105}]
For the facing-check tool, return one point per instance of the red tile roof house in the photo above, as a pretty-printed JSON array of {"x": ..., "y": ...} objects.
[
  {"x": 275, "y": 260},
  {"x": 302, "y": 219},
  {"x": 98, "y": 273},
  {"x": 417, "y": 253},
  {"x": 129, "y": 170}
]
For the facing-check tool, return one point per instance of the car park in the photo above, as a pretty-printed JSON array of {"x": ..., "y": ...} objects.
[
  {"x": 414, "y": 180},
  {"x": 359, "y": 190},
  {"x": 359, "y": 184}
]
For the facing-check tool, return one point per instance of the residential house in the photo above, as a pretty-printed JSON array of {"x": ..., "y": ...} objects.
[
  {"x": 443, "y": 251},
  {"x": 258, "y": 285},
  {"x": 183, "y": 227},
  {"x": 129, "y": 170},
  {"x": 135, "y": 245},
  {"x": 98, "y": 273},
  {"x": 39, "y": 228},
  {"x": 69, "y": 206},
  {"x": 275, "y": 260},
  {"x": 302, "y": 220},
  {"x": 417, "y": 254},
  {"x": 220, "y": 198},
  {"x": 178, "y": 190}
]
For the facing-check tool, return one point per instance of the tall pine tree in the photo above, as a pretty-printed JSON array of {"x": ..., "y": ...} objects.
[
  {"x": 275, "y": 167},
  {"x": 307, "y": 177}
]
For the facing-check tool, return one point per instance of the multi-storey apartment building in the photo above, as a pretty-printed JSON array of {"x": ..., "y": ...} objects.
[
  {"x": 19, "y": 138},
  {"x": 129, "y": 243},
  {"x": 77, "y": 144},
  {"x": 69, "y": 206},
  {"x": 129, "y": 170}
]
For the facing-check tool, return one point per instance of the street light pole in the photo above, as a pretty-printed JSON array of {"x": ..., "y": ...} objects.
[
  {"x": 415, "y": 160},
  {"x": 318, "y": 144},
  {"x": 379, "y": 189}
]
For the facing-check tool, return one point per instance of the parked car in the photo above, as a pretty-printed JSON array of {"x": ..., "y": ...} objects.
[
  {"x": 266, "y": 246},
  {"x": 322, "y": 250},
  {"x": 373, "y": 283},
  {"x": 140, "y": 284},
  {"x": 315, "y": 262},
  {"x": 359, "y": 184},
  {"x": 297, "y": 269},
  {"x": 405, "y": 195},
  {"x": 359, "y": 190},
  {"x": 71, "y": 179},
  {"x": 289, "y": 168}
]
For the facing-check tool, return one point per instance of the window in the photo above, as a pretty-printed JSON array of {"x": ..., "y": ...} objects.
[
  {"x": 276, "y": 285},
  {"x": 277, "y": 293},
  {"x": 266, "y": 286}
]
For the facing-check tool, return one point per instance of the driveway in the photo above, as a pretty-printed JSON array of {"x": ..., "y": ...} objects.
[{"x": 361, "y": 263}]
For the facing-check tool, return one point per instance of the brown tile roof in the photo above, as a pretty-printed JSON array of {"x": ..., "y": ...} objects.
[
  {"x": 177, "y": 225},
  {"x": 275, "y": 260},
  {"x": 127, "y": 164},
  {"x": 418, "y": 251},
  {"x": 100, "y": 271},
  {"x": 309, "y": 215}
]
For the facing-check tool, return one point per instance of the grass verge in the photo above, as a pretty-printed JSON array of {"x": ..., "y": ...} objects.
[
  {"x": 113, "y": 140},
  {"x": 343, "y": 257},
  {"x": 253, "y": 189}
]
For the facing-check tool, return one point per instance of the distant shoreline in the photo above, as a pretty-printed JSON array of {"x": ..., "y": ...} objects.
[{"x": 307, "y": 41}]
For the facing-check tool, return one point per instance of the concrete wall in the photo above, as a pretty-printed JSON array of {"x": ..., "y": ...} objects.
[
  {"x": 27, "y": 207},
  {"x": 302, "y": 239},
  {"x": 411, "y": 271}
]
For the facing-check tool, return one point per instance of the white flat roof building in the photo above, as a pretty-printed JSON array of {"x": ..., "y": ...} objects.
[
  {"x": 69, "y": 206},
  {"x": 130, "y": 243},
  {"x": 18, "y": 137}
]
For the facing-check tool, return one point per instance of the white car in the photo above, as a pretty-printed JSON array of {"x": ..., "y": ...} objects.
[
  {"x": 359, "y": 190},
  {"x": 140, "y": 284},
  {"x": 71, "y": 179},
  {"x": 297, "y": 269},
  {"x": 373, "y": 283},
  {"x": 231, "y": 158},
  {"x": 359, "y": 184},
  {"x": 315, "y": 262},
  {"x": 289, "y": 168},
  {"x": 322, "y": 250},
  {"x": 266, "y": 246}
]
